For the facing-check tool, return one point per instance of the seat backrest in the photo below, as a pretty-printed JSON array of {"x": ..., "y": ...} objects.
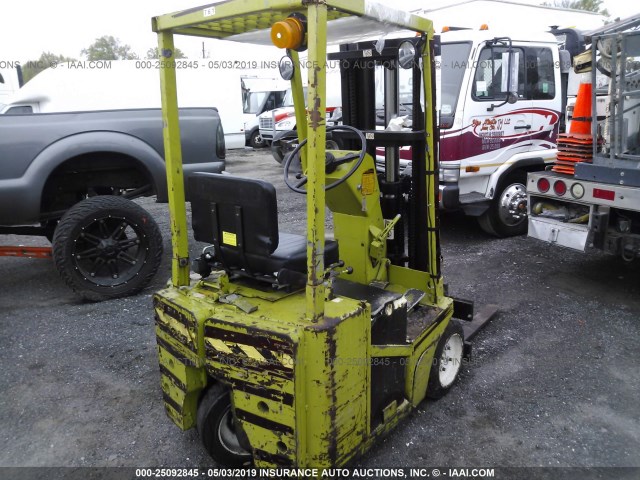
[{"x": 240, "y": 215}]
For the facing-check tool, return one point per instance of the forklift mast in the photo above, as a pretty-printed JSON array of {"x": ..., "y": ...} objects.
[{"x": 409, "y": 196}]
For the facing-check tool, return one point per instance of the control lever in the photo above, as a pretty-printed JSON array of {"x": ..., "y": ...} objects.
[
  {"x": 331, "y": 273},
  {"x": 376, "y": 249}
]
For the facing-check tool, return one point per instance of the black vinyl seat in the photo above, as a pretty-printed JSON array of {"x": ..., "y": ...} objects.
[{"x": 239, "y": 216}]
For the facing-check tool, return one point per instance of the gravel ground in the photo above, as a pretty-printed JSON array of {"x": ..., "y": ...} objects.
[{"x": 554, "y": 378}]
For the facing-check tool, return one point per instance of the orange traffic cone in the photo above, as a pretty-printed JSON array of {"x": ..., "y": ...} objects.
[{"x": 581, "y": 121}]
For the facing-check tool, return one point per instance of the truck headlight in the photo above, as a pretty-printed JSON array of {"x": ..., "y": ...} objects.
[
  {"x": 285, "y": 125},
  {"x": 451, "y": 174}
]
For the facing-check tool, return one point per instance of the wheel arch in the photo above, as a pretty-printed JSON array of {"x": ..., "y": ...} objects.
[
  {"x": 80, "y": 151},
  {"x": 523, "y": 164}
]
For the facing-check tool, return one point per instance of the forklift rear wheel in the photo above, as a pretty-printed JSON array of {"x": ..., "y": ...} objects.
[
  {"x": 217, "y": 429},
  {"x": 446, "y": 361},
  {"x": 507, "y": 214},
  {"x": 107, "y": 247}
]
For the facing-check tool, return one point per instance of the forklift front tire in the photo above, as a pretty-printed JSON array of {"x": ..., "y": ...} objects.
[
  {"x": 446, "y": 361},
  {"x": 216, "y": 426}
]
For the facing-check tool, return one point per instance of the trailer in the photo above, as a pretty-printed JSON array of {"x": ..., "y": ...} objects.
[{"x": 590, "y": 199}]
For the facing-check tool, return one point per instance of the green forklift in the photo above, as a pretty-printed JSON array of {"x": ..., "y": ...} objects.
[{"x": 300, "y": 351}]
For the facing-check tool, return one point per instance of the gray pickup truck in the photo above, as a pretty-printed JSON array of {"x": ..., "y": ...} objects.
[{"x": 71, "y": 177}]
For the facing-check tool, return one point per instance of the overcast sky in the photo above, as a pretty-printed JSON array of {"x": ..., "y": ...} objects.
[{"x": 66, "y": 27}]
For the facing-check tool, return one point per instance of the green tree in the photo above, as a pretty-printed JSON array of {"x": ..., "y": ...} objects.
[
  {"x": 108, "y": 48},
  {"x": 588, "y": 5},
  {"x": 153, "y": 53},
  {"x": 33, "y": 67}
]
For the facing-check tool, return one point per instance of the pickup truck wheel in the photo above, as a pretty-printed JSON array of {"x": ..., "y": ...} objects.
[
  {"x": 507, "y": 214},
  {"x": 107, "y": 247},
  {"x": 256, "y": 140},
  {"x": 217, "y": 429},
  {"x": 49, "y": 227}
]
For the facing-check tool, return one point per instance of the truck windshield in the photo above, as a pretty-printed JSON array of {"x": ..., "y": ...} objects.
[
  {"x": 287, "y": 101},
  {"x": 253, "y": 101},
  {"x": 288, "y": 98},
  {"x": 451, "y": 65}
]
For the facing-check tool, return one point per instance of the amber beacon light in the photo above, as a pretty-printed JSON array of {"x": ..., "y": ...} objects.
[{"x": 288, "y": 33}]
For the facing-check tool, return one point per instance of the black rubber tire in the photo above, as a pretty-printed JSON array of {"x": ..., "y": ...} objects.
[
  {"x": 50, "y": 229},
  {"x": 491, "y": 222},
  {"x": 436, "y": 389},
  {"x": 256, "y": 140},
  {"x": 214, "y": 409},
  {"x": 86, "y": 226},
  {"x": 276, "y": 145}
]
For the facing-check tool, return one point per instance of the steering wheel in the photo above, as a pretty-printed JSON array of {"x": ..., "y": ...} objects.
[{"x": 331, "y": 162}]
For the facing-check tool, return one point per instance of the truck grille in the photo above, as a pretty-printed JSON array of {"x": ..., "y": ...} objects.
[{"x": 266, "y": 123}]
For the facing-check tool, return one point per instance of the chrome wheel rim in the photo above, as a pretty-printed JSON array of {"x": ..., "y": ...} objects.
[{"x": 512, "y": 208}]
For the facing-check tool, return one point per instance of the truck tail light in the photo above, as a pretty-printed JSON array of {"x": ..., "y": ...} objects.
[
  {"x": 604, "y": 194},
  {"x": 577, "y": 190},
  {"x": 221, "y": 148},
  {"x": 560, "y": 187},
  {"x": 543, "y": 185}
]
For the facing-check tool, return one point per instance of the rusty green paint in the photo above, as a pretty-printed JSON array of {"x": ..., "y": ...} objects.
[
  {"x": 173, "y": 160},
  {"x": 320, "y": 410},
  {"x": 316, "y": 131}
]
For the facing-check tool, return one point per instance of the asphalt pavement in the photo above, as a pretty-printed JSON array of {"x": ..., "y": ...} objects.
[{"x": 553, "y": 380}]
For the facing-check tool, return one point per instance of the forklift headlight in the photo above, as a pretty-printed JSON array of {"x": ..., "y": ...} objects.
[
  {"x": 449, "y": 174},
  {"x": 286, "y": 68},
  {"x": 406, "y": 54}
]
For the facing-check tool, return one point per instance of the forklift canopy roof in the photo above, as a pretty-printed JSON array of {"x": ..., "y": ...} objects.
[{"x": 251, "y": 20}]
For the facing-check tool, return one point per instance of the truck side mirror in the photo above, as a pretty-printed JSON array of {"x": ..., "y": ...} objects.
[
  {"x": 510, "y": 78},
  {"x": 510, "y": 72},
  {"x": 565, "y": 61}
]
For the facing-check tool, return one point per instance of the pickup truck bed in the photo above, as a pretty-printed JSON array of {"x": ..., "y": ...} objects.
[
  {"x": 50, "y": 161},
  {"x": 71, "y": 176}
]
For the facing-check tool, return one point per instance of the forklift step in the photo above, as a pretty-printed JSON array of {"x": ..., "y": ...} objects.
[{"x": 413, "y": 296}]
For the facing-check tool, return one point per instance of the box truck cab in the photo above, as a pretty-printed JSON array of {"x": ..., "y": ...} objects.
[
  {"x": 499, "y": 110},
  {"x": 260, "y": 95},
  {"x": 281, "y": 120}
]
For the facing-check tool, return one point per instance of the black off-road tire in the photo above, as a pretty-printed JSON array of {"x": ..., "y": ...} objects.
[
  {"x": 447, "y": 361},
  {"x": 107, "y": 247},
  {"x": 216, "y": 429}
]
